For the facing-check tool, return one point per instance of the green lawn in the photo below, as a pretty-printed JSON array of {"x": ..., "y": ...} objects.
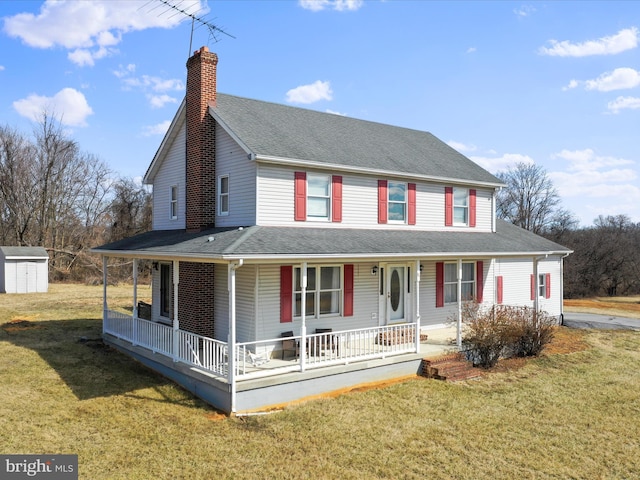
[{"x": 573, "y": 415}]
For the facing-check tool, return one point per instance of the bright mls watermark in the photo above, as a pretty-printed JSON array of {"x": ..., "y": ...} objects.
[{"x": 50, "y": 467}]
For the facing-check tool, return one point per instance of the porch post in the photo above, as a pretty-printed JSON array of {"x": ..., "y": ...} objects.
[
  {"x": 135, "y": 302},
  {"x": 417, "y": 294},
  {"x": 303, "y": 313},
  {"x": 105, "y": 307},
  {"x": 135, "y": 288},
  {"x": 176, "y": 320},
  {"x": 459, "y": 332},
  {"x": 231, "y": 280}
]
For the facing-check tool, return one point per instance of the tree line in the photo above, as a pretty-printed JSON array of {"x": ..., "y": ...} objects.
[{"x": 54, "y": 195}]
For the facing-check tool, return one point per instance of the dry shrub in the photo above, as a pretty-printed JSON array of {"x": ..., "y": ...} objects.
[{"x": 504, "y": 331}]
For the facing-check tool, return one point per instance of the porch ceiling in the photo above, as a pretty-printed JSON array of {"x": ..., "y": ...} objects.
[{"x": 281, "y": 243}]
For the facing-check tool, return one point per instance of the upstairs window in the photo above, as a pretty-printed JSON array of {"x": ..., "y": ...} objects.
[
  {"x": 460, "y": 206},
  {"x": 174, "y": 202},
  {"x": 318, "y": 196},
  {"x": 397, "y": 202},
  {"x": 223, "y": 195}
]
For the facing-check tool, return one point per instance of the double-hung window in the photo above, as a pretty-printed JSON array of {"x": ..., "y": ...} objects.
[
  {"x": 468, "y": 282},
  {"x": 542, "y": 285},
  {"x": 174, "y": 202},
  {"x": 397, "y": 202},
  {"x": 324, "y": 291},
  {"x": 460, "y": 206},
  {"x": 318, "y": 196},
  {"x": 223, "y": 195}
]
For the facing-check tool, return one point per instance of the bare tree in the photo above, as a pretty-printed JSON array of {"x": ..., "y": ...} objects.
[{"x": 530, "y": 200}]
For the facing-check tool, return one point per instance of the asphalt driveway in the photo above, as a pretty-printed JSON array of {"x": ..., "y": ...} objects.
[{"x": 607, "y": 322}]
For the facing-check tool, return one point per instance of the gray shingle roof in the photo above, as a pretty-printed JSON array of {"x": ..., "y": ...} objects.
[
  {"x": 287, "y": 242},
  {"x": 38, "y": 252},
  {"x": 270, "y": 129}
]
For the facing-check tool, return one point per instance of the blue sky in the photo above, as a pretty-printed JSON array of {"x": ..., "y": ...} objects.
[{"x": 554, "y": 83}]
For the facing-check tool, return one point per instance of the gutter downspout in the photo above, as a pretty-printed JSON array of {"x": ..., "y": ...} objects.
[
  {"x": 232, "y": 331},
  {"x": 459, "y": 287},
  {"x": 417, "y": 294},
  {"x": 562, "y": 287}
]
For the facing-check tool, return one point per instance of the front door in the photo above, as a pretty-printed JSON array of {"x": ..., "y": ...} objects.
[{"x": 395, "y": 292}]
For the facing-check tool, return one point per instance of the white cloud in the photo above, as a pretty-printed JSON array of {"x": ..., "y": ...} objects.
[
  {"x": 1, "y": 68},
  {"x": 159, "y": 101},
  {"x": 572, "y": 84},
  {"x": 336, "y": 113},
  {"x": 623, "y": 40},
  {"x": 158, "y": 129},
  {"x": 620, "y": 78},
  {"x": 589, "y": 175},
  {"x": 471, "y": 49},
  {"x": 68, "y": 105},
  {"x": 90, "y": 29},
  {"x": 461, "y": 147},
  {"x": 497, "y": 164},
  {"x": 310, "y": 93},
  {"x": 147, "y": 83},
  {"x": 124, "y": 71},
  {"x": 622, "y": 103},
  {"x": 339, "y": 5},
  {"x": 524, "y": 11}
]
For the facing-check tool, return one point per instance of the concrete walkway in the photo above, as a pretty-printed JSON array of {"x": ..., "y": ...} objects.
[{"x": 605, "y": 322}]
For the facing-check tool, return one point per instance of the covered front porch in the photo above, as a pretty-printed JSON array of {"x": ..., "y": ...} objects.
[{"x": 246, "y": 382}]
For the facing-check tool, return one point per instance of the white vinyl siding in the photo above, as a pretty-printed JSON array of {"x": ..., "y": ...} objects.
[
  {"x": 233, "y": 161},
  {"x": 245, "y": 306},
  {"x": 365, "y": 307},
  {"x": 359, "y": 202},
  {"x": 171, "y": 173}
]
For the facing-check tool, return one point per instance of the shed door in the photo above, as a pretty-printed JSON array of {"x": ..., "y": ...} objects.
[{"x": 26, "y": 277}]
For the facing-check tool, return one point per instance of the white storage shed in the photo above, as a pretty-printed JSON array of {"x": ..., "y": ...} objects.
[{"x": 24, "y": 270}]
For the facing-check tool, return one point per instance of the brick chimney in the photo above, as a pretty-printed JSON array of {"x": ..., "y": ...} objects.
[{"x": 200, "y": 151}]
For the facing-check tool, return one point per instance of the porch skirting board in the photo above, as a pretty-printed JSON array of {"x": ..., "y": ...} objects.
[
  {"x": 214, "y": 391},
  {"x": 277, "y": 391}
]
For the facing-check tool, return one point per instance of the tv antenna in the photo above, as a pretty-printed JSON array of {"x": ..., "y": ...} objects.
[{"x": 177, "y": 9}]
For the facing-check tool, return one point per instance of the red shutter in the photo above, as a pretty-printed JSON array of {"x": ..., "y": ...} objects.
[
  {"x": 472, "y": 208},
  {"x": 300, "y": 194},
  {"x": 336, "y": 200},
  {"x": 348, "y": 290},
  {"x": 499, "y": 287},
  {"x": 286, "y": 293},
  {"x": 547, "y": 281},
  {"x": 448, "y": 206},
  {"x": 382, "y": 201},
  {"x": 533, "y": 287},
  {"x": 412, "y": 203},
  {"x": 479, "y": 281},
  {"x": 439, "y": 284}
]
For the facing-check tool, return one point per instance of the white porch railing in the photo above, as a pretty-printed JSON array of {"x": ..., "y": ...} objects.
[{"x": 255, "y": 358}]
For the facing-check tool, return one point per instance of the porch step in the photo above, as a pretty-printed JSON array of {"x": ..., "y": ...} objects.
[{"x": 451, "y": 368}]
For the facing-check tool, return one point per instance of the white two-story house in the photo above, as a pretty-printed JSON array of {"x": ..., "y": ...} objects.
[{"x": 297, "y": 252}]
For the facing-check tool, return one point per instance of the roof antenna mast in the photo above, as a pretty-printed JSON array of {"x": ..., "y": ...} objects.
[{"x": 214, "y": 31}]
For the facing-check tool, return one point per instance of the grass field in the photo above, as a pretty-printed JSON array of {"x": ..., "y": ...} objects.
[{"x": 571, "y": 413}]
